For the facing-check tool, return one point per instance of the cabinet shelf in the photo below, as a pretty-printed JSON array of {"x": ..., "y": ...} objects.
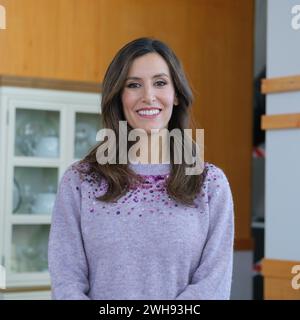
[
  {"x": 30, "y": 219},
  {"x": 36, "y": 162}
]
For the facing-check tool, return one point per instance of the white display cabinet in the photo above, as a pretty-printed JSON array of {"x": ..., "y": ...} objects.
[{"x": 42, "y": 131}]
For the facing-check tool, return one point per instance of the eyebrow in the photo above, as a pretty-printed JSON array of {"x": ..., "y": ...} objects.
[{"x": 155, "y": 76}]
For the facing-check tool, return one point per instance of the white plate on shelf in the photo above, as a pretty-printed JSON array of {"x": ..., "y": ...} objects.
[
  {"x": 16, "y": 196},
  {"x": 43, "y": 203}
]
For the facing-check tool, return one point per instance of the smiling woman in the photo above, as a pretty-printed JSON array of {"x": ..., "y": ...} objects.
[{"x": 142, "y": 231}]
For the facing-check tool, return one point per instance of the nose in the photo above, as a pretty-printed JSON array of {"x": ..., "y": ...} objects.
[{"x": 148, "y": 94}]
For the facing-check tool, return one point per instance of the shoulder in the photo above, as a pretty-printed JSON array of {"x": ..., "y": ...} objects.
[
  {"x": 213, "y": 173},
  {"x": 215, "y": 180},
  {"x": 80, "y": 174},
  {"x": 219, "y": 196},
  {"x": 76, "y": 172}
]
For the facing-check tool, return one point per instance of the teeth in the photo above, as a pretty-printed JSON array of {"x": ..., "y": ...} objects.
[{"x": 149, "y": 112}]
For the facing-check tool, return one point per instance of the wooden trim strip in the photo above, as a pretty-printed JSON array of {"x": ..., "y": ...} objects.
[
  {"x": 280, "y": 121},
  {"x": 281, "y": 84},
  {"x": 55, "y": 84}
]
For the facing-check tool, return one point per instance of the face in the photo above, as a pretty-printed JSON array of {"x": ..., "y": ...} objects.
[{"x": 148, "y": 96}]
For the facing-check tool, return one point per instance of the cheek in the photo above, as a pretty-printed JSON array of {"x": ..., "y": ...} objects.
[
  {"x": 168, "y": 97},
  {"x": 124, "y": 100},
  {"x": 169, "y": 115},
  {"x": 128, "y": 101}
]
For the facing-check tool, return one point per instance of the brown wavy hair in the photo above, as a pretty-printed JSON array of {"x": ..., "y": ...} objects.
[{"x": 119, "y": 177}]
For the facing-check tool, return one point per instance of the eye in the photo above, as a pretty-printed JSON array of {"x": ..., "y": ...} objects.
[
  {"x": 160, "y": 83},
  {"x": 133, "y": 85}
]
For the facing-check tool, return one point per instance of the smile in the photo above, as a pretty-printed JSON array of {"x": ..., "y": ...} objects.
[{"x": 150, "y": 113}]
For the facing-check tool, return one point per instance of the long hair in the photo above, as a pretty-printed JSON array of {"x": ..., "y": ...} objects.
[{"x": 119, "y": 177}]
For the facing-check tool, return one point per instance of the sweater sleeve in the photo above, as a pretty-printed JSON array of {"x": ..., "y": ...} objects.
[
  {"x": 66, "y": 255},
  {"x": 212, "y": 279}
]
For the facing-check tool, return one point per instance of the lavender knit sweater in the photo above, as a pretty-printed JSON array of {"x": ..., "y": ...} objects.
[{"x": 145, "y": 246}]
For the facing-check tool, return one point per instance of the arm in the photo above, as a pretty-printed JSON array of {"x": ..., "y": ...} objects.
[
  {"x": 66, "y": 256},
  {"x": 212, "y": 278}
]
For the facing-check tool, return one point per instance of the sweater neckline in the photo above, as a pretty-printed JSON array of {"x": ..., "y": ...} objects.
[{"x": 150, "y": 168}]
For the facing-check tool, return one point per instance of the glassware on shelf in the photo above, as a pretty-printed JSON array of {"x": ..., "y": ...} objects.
[
  {"x": 37, "y": 133},
  {"x": 86, "y": 129},
  {"x": 37, "y": 189},
  {"x": 26, "y": 138},
  {"x": 81, "y": 139},
  {"x": 29, "y": 248},
  {"x": 43, "y": 203},
  {"x": 47, "y": 146},
  {"x": 28, "y": 198}
]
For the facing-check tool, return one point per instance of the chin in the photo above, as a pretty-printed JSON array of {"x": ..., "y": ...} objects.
[{"x": 148, "y": 127}]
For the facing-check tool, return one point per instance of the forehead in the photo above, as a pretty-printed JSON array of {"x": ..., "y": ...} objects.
[{"x": 148, "y": 65}]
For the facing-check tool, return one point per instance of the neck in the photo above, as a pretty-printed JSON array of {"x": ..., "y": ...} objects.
[{"x": 154, "y": 148}]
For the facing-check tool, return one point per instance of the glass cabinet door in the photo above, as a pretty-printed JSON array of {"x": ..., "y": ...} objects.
[
  {"x": 34, "y": 190},
  {"x": 37, "y": 133},
  {"x": 86, "y": 128},
  {"x": 29, "y": 248}
]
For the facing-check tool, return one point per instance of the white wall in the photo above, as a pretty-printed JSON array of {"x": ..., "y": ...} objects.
[{"x": 282, "y": 202}]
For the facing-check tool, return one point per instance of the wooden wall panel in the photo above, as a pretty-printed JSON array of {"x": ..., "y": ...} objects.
[
  {"x": 76, "y": 39},
  {"x": 219, "y": 61},
  {"x": 52, "y": 39}
]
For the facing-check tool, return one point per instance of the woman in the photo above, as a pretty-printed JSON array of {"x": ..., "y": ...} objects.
[{"x": 142, "y": 230}]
